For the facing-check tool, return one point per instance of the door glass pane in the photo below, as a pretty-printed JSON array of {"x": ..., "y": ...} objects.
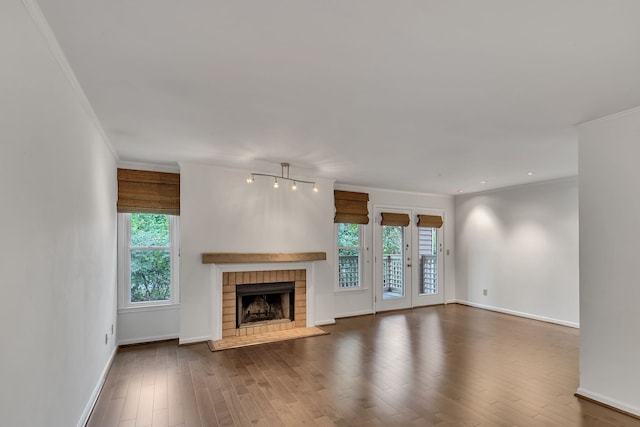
[
  {"x": 392, "y": 262},
  {"x": 428, "y": 255}
]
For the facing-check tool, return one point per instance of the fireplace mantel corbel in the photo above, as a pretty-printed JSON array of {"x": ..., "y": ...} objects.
[{"x": 244, "y": 258}]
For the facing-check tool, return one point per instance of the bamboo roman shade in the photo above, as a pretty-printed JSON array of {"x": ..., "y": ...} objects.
[
  {"x": 400, "y": 219},
  {"x": 351, "y": 207},
  {"x": 433, "y": 221},
  {"x": 148, "y": 192}
]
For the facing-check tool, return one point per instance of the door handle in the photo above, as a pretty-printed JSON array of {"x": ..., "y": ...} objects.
[{"x": 408, "y": 265}]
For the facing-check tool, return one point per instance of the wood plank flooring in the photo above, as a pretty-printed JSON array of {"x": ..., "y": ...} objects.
[
  {"x": 435, "y": 366},
  {"x": 265, "y": 337}
]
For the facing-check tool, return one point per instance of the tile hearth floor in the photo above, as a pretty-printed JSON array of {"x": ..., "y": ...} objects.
[{"x": 265, "y": 337}]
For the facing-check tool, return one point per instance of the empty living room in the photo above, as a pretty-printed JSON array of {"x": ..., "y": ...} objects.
[{"x": 285, "y": 213}]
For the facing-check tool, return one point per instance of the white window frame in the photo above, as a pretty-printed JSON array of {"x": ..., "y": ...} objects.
[
  {"x": 361, "y": 261},
  {"x": 124, "y": 264}
]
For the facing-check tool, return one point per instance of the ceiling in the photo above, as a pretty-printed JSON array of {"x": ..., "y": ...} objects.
[{"x": 432, "y": 96}]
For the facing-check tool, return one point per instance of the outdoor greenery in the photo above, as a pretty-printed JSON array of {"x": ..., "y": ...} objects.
[
  {"x": 149, "y": 230},
  {"x": 392, "y": 239},
  {"x": 348, "y": 237},
  {"x": 150, "y": 258}
]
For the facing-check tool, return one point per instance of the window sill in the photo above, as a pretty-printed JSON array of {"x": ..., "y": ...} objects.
[
  {"x": 350, "y": 290},
  {"x": 149, "y": 307}
]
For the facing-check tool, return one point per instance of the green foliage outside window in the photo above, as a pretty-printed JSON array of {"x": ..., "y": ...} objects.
[
  {"x": 348, "y": 236},
  {"x": 151, "y": 266},
  {"x": 149, "y": 230},
  {"x": 392, "y": 239}
]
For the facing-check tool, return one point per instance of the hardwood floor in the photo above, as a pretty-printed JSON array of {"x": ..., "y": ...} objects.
[{"x": 446, "y": 365}]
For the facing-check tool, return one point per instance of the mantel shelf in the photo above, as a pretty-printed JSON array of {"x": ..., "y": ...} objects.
[{"x": 244, "y": 258}]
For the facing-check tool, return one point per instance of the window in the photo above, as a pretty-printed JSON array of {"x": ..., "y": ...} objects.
[
  {"x": 149, "y": 258},
  {"x": 349, "y": 256},
  {"x": 428, "y": 254}
]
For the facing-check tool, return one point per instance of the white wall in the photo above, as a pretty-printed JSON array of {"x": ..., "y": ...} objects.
[
  {"x": 220, "y": 212},
  {"x": 609, "y": 236},
  {"x": 350, "y": 303},
  {"x": 58, "y": 219},
  {"x": 148, "y": 324},
  {"x": 521, "y": 244}
]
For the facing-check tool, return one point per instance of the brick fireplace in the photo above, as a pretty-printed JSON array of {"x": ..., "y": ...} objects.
[{"x": 257, "y": 279}]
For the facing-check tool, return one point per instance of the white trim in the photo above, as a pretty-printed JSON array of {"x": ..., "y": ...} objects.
[
  {"x": 148, "y": 339},
  {"x": 148, "y": 167},
  {"x": 355, "y": 313},
  {"x": 43, "y": 27},
  {"x": 128, "y": 310},
  {"x": 519, "y": 186},
  {"x": 354, "y": 289},
  {"x": 613, "y": 116},
  {"x": 626, "y": 407},
  {"x": 350, "y": 187},
  {"x": 325, "y": 322},
  {"x": 194, "y": 340},
  {"x": 519, "y": 314},
  {"x": 93, "y": 399}
]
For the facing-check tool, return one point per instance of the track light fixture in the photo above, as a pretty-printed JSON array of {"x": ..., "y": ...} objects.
[{"x": 284, "y": 176}]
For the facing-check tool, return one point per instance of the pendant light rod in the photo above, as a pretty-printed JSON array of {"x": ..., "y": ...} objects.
[{"x": 284, "y": 175}]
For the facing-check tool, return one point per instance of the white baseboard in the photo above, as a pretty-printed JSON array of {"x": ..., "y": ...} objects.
[
  {"x": 625, "y": 407},
  {"x": 326, "y": 322},
  {"x": 194, "y": 340},
  {"x": 520, "y": 314},
  {"x": 147, "y": 339},
  {"x": 354, "y": 313},
  {"x": 84, "y": 418}
]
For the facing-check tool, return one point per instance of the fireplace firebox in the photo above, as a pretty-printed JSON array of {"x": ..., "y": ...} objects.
[{"x": 264, "y": 304}]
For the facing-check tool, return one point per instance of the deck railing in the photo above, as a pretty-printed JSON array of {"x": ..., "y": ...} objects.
[
  {"x": 429, "y": 274},
  {"x": 392, "y": 274},
  {"x": 348, "y": 268}
]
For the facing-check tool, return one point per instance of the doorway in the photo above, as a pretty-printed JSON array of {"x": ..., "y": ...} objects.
[{"x": 408, "y": 259}]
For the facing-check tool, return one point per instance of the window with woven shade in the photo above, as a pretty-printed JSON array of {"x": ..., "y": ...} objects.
[
  {"x": 148, "y": 192},
  {"x": 395, "y": 219},
  {"x": 431, "y": 221},
  {"x": 351, "y": 207},
  {"x": 148, "y": 207},
  {"x": 352, "y": 213}
]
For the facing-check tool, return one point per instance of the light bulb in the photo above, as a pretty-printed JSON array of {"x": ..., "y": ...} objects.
[
  {"x": 250, "y": 179},
  {"x": 315, "y": 188},
  {"x": 294, "y": 186},
  {"x": 275, "y": 184}
]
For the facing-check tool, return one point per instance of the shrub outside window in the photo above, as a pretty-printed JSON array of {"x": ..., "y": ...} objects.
[
  {"x": 349, "y": 256},
  {"x": 150, "y": 260}
]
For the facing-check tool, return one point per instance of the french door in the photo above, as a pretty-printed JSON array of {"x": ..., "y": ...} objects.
[{"x": 408, "y": 262}]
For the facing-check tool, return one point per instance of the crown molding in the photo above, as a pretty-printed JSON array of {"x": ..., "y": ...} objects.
[
  {"x": 364, "y": 188},
  {"x": 550, "y": 181},
  {"x": 153, "y": 167},
  {"x": 613, "y": 116},
  {"x": 34, "y": 11}
]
